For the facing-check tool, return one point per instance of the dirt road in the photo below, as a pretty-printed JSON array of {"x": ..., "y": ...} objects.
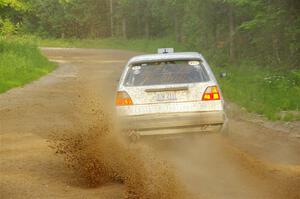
[{"x": 253, "y": 162}]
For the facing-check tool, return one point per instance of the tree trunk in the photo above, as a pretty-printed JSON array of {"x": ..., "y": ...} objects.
[
  {"x": 147, "y": 29},
  {"x": 275, "y": 47},
  {"x": 139, "y": 31},
  {"x": 231, "y": 20},
  {"x": 124, "y": 28},
  {"x": 111, "y": 18},
  {"x": 216, "y": 34}
]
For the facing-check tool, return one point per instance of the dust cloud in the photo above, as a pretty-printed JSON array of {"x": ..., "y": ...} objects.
[{"x": 99, "y": 155}]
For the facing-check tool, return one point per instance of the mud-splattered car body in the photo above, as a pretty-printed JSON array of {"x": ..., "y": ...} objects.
[{"x": 170, "y": 93}]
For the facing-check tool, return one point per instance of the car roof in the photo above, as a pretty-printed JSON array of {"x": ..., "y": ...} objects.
[{"x": 166, "y": 57}]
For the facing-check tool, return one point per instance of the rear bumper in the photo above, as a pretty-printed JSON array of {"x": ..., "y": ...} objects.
[{"x": 175, "y": 123}]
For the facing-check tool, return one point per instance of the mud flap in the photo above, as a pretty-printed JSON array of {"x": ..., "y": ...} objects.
[
  {"x": 225, "y": 128},
  {"x": 133, "y": 136}
]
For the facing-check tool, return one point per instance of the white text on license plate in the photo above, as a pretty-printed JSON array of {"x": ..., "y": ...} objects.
[{"x": 166, "y": 96}]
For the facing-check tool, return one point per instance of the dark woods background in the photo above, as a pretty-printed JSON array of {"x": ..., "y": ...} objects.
[{"x": 266, "y": 32}]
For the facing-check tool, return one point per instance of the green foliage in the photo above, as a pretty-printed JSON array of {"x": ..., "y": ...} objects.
[
  {"x": 230, "y": 31},
  {"x": 7, "y": 27},
  {"x": 68, "y": 18},
  {"x": 20, "y": 63},
  {"x": 9, "y": 16},
  {"x": 263, "y": 90},
  {"x": 14, "y": 4}
]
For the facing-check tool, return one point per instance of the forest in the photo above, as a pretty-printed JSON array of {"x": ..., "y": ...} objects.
[{"x": 264, "y": 31}]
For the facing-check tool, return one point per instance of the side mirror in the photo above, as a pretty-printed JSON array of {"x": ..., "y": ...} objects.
[{"x": 223, "y": 74}]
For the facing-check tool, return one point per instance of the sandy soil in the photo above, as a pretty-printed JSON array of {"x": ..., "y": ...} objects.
[{"x": 58, "y": 139}]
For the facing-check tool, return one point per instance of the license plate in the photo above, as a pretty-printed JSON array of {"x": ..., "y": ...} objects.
[{"x": 166, "y": 96}]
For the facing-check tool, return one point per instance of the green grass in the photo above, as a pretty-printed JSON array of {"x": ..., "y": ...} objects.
[
  {"x": 142, "y": 45},
  {"x": 266, "y": 91},
  {"x": 21, "y": 62},
  {"x": 274, "y": 94}
]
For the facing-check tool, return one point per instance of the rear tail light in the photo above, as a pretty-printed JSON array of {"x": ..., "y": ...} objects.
[
  {"x": 123, "y": 99},
  {"x": 211, "y": 93}
]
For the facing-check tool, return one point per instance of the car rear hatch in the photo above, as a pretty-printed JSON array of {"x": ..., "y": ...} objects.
[{"x": 168, "y": 87}]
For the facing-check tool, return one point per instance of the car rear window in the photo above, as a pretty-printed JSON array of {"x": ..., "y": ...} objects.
[{"x": 166, "y": 73}]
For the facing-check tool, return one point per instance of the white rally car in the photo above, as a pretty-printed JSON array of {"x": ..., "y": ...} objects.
[{"x": 169, "y": 93}]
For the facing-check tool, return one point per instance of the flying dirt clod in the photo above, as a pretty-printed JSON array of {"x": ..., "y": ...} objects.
[{"x": 100, "y": 156}]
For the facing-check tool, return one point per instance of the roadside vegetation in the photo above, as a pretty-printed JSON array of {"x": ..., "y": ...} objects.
[
  {"x": 140, "y": 45},
  {"x": 266, "y": 91},
  {"x": 255, "y": 41},
  {"x": 21, "y": 62}
]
